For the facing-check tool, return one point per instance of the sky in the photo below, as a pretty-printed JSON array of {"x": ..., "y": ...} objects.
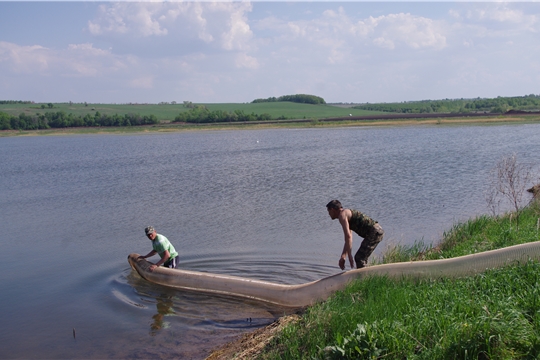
[{"x": 235, "y": 52}]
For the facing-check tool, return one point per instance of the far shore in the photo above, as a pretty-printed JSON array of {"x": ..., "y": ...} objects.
[{"x": 322, "y": 123}]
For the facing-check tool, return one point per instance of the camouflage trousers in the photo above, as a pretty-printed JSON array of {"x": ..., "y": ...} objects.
[{"x": 369, "y": 244}]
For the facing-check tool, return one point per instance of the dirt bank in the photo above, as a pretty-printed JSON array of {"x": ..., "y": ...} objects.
[{"x": 248, "y": 346}]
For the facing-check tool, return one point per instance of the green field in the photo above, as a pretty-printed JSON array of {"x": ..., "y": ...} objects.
[{"x": 167, "y": 112}]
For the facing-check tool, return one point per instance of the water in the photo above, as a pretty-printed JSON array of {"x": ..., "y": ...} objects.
[{"x": 249, "y": 203}]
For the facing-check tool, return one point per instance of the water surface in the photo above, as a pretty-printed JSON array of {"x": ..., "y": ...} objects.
[{"x": 248, "y": 203}]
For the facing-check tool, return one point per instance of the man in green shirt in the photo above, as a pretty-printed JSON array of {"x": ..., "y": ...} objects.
[{"x": 162, "y": 246}]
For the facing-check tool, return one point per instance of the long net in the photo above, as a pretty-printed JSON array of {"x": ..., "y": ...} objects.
[{"x": 309, "y": 293}]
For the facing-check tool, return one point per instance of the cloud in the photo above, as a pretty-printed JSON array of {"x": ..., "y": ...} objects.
[
  {"x": 142, "y": 19},
  {"x": 337, "y": 34},
  {"x": 415, "y": 32},
  {"x": 24, "y": 59},
  {"x": 237, "y": 32},
  {"x": 498, "y": 17},
  {"x": 246, "y": 61},
  {"x": 145, "y": 82},
  {"x": 500, "y": 13},
  {"x": 223, "y": 24},
  {"x": 81, "y": 60}
]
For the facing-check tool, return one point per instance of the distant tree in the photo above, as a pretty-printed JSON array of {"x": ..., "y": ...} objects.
[
  {"x": 496, "y": 105},
  {"x": 298, "y": 98},
  {"x": 5, "y": 121},
  {"x": 270, "y": 99},
  {"x": 15, "y": 102},
  {"x": 201, "y": 114}
]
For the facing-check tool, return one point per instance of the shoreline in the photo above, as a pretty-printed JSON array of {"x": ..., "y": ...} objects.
[
  {"x": 255, "y": 343},
  {"x": 251, "y": 344},
  {"x": 287, "y": 124}
]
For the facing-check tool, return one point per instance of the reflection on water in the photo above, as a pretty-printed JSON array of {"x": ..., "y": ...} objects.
[
  {"x": 164, "y": 308},
  {"x": 199, "y": 318},
  {"x": 192, "y": 306},
  {"x": 245, "y": 203}
]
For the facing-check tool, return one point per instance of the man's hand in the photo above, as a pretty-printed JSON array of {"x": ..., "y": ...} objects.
[
  {"x": 152, "y": 267},
  {"x": 342, "y": 263}
]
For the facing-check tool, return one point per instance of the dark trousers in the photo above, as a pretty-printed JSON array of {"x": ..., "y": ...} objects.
[
  {"x": 369, "y": 244},
  {"x": 171, "y": 263}
]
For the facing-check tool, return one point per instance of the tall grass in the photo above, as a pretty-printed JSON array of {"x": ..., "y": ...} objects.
[
  {"x": 476, "y": 235},
  {"x": 494, "y": 315}
]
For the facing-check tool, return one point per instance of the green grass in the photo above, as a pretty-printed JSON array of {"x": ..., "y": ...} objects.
[
  {"x": 475, "y": 235},
  {"x": 292, "y": 110},
  {"x": 168, "y": 112},
  {"x": 494, "y": 315},
  {"x": 483, "y": 234}
]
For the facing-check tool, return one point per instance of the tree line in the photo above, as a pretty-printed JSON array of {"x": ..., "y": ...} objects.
[
  {"x": 3, "y": 102},
  {"x": 298, "y": 98},
  {"x": 495, "y": 105},
  {"x": 201, "y": 114},
  {"x": 60, "y": 119}
]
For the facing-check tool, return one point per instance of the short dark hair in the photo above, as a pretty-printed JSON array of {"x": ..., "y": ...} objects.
[{"x": 334, "y": 204}]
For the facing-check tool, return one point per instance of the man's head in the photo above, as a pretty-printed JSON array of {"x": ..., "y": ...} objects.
[
  {"x": 150, "y": 232},
  {"x": 334, "y": 207}
]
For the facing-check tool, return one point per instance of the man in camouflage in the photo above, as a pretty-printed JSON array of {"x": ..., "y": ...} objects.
[{"x": 353, "y": 220}]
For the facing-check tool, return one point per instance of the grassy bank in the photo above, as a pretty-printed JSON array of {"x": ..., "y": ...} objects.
[{"x": 495, "y": 315}]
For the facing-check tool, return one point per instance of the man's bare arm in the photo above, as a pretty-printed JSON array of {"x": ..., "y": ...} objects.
[
  {"x": 150, "y": 254},
  {"x": 347, "y": 247},
  {"x": 163, "y": 260}
]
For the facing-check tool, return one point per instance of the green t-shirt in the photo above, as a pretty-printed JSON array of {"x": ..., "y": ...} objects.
[{"x": 161, "y": 243}]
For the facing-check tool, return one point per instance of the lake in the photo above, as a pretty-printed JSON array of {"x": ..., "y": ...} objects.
[{"x": 249, "y": 203}]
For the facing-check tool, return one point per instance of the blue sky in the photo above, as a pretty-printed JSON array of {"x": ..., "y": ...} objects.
[{"x": 215, "y": 52}]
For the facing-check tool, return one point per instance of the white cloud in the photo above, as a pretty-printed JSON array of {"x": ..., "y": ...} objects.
[
  {"x": 238, "y": 32},
  {"x": 24, "y": 59},
  {"x": 76, "y": 60},
  {"x": 145, "y": 82},
  {"x": 84, "y": 60},
  {"x": 336, "y": 32},
  {"x": 222, "y": 23},
  {"x": 139, "y": 18},
  {"x": 88, "y": 49},
  {"x": 246, "y": 61},
  {"x": 499, "y": 13},
  {"x": 413, "y": 31},
  {"x": 200, "y": 23},
  {"x": 498, "y": 17},
  {"x": 384, "y": 43}
]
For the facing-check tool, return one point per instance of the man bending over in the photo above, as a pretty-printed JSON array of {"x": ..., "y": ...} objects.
[
  {"x": 161, "y": 246},
  {"x": 353, "y": 220}
]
